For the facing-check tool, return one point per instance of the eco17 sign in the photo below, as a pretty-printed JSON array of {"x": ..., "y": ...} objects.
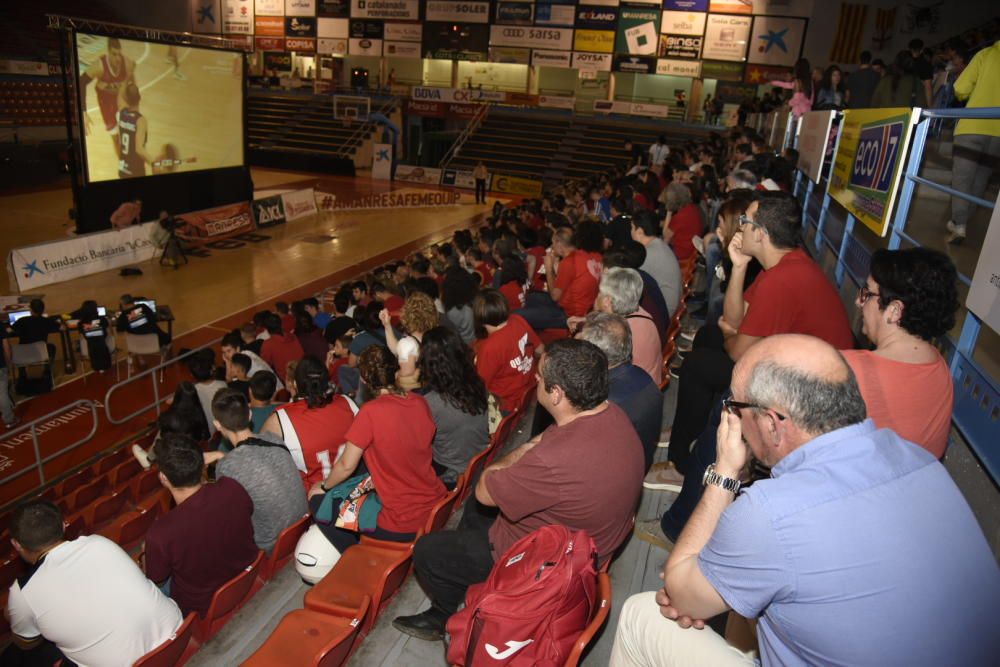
[{"x": 868, "y": 163}]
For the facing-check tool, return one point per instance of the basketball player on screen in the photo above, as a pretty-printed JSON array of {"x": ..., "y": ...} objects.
[
  {"x": 132, "y": 133},
  {"x": 111, "y": 72}
]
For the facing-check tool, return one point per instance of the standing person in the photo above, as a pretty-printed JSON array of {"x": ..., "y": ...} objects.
[
  {"x": 977, "y": 142},
  {"x": 924, "y": 72},
  {"x": 900, "y": 88},
  {"x": 480, "y": 174},
  {"x": 861, "y": 84},
  {"x": 831, "y": 90},
  {"x": 10, "y": 419},
  {"x": 111, "y": 72},
  {"x": 132, "y": 135},
  {"x": 801, "y": 85},
  {"x": 658, "y": 154},
  {"x": 706, "y": 109}
]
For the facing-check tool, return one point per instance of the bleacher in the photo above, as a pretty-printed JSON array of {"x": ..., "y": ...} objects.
[{"x": 32, "y": 101}]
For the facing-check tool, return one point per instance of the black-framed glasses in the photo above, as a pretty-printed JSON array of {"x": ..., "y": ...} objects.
[
  {"x": 734, "y": 407},
  {"x": 744, "y": 220},
  {"x": 864, "y": 294}
]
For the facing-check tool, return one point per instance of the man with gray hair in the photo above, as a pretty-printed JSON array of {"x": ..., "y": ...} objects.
[
  {"x": 629, "y": 387},
  {"x": 859, "y": 550},
  {"x": 741, "y": 179}
]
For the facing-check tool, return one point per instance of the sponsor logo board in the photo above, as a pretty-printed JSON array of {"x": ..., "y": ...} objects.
[
  {"x": 406, "y": 10},
  {"x": 336, "y": 28},
  {"x": 680, "y": 46},
  {"x": 460, "y": 12},
  {"x": 334, "y": 47},
  {"x": 364, "y": 47},
  {"x": 550, "y": 58},
  {"x": 533, "y": 38},
  {"x": 726, "y": 37},
  {"x": 424, "y": 175},
  {"x": 596, "y": 41},
  {"x": 683, "y": 23},
  {"x": 595, "y": 62},
  {"x": 403, "y": 32},
  {"x": 405, "y": 198}
]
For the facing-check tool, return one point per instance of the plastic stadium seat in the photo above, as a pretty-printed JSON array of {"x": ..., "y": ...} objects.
[
  {"x": 169, "y": 652},
  {"x": 121, "y": 476},
  {"x": 466, "y": 484},
  {"x": 442, "y": 512},
  {"x": 161, "y": 499},
  {"x": 73, "y": 527},
  {"x": 145, "y": 484},
  {"x": 306, "y": 637},
  {"x": 284, "y": 549},
  {"x": 105, "y": 508},
  {"x": 373, "y": 569},
  {"x": 86, "y": 494},
  {"x": 226, "y": 601},
  {"x": 600, "y": 615},
  {"x": 550, "y": 335},
  {"x": 130, "y": 528},
  {"x": 112, "y": 460},
  {"x": 71, "y": 484},
  {"x": 10, "y": 569}
]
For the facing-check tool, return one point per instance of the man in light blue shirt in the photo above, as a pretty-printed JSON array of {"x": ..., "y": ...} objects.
[{"x": 860, "y": 550}]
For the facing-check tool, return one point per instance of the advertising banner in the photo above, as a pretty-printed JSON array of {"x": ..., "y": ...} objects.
[
  {"x": 731, "y": 92},
  {"x": 726, "y": 37},
  {"x": 404, "y": 198},
  {"x": 595, "y": 41},
  {"x": 541, "y": 58},
  {"x": 680, "y": 46},
  {"x": 984, "y": 293},
  {"x": 686, "y": 5},
  {"x": 335, "y": 28},
  {"x": 515, "y": 185},
  {"x": 713, "y": 69},
  {"x": 653, "y": 110},
  {"x": 634, "y": 64},
  {"x": 559, "y": 39},
  {"x": 403, "y": 32},
  {"x": 730, "y": 6},
  {"x": 268, "y": 44},
  {"x": 689, "y": 68},
  {"x": 515, "y": 13},
  {"x": 366, "y": 29},
  {"x": 333, "y": 47},
  {"x": 269, "y": 211},
  {"x": 552, "y": 14},
  {"x": 592, "y": 62},
  {"x": 54, "y": 262},
  {"x": 334, "y": 9},
  {"x": 399, "y": 10},
  {"x": 683, "y": 23},
  {"x": 424, "y": 175},
  {"x": 603, "y": 3},
  {"x": 237, "y": 17},
  {"x": 364, "y": 47},
  {"x": 268, "y": 26},
  {"x": 300, "y": 7},
  {"x": 868, "y": 162},
  {"x": 382, "y": 161},
  {"x": 456, "y": 94},
  {"x": 609, "y": 106},
  {"x": 269, "y": 7},
  {"x": 425, "y": 109},
  {"x": 776, "y": 40},
  {"x": 301, "y": 44},
  {"x": 522, "y": 99},
  {"x": 783, "y": 7},
  {"x": 510, "y": 55},
  {"x": 216, "y": 223},
  {"x": 814, "y": 129},
  {"x": 463, "y": 179},
  {"x": 281, "y": 62},
  {"x": 556, "y": 102},
  {"x": 638, "y": 31},
  {"x": 597, "y": 18},
  {"x": 467, "y": 12},
  {"x": 764, "y": 74},
  {"x": 402, "y": 49}
]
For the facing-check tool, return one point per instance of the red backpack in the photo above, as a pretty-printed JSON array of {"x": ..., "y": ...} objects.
[{"x": 533, "y": 606}]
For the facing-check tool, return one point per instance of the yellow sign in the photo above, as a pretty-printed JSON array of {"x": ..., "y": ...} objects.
[
  {"x": 515, "y": 185},
  {"x": 869, "y": 161},
  {"x": 595, "y": 41}
]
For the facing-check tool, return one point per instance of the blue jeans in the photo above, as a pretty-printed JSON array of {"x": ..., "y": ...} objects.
[
  {"x": 541, "y": 312},
  {"x": 713, "y": 255}
]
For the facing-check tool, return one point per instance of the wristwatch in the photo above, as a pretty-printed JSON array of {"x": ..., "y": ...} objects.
[
  {"x": 714, "y": 478},
  {"x": 322, "y": 486}
]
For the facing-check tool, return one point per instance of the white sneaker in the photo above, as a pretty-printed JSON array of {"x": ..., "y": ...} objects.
[
  {"x": 699, "y": 244},
  {"x": 950, "y": 226},
  {"x": 664, "y": 480},
  {"x": 141, "y": 456},
  {"x": 957, "y": 234}
]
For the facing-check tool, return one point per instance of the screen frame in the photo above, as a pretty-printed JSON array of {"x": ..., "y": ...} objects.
[{"x": 79, "y": 101}]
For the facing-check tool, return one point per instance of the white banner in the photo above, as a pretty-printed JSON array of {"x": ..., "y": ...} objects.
[
  {"x": 411, "y": 174},
  {"x": 776, "y": 40},
  {"x": 403, "y": 32},
  {"x": 299, "y": 204},
  {"x": 726, "y": 37},
  {"x": 814, "y": 131},
  {"x": 237, "y": 17},
  {"x": 25, "y": 67},
  {"x": 560, "y": 15},
  {"x": 458, "y": 12},
  {"x": 609, "y": 106},
  {"x": 556, "y": 102},
  {"x": 365, "y": 47},
  {"x": 328, "y": 46},
  {"x": 603, "y": 3},
  {"x": 335, "y": 28},
  {"x": 683, "y": 23},
  {"x": 206, "y": 16},
  {"x": 382, "y": 161},
  {"x": 984, "y": 294},
  {"x": 550, "y": 58},
  {"x": 691, "y": 68},
  {"x": 400, "y": 10},
  {"x": 456, "y": 94},
  {"x": 560, "y": 39},
  {"x": 654, "y": 110},
  {"x": 269, "y": 7},
  {"x": 592, "y": 62},
  {"x": 54, "y": 262},
  {"x": 401, "y": 49},
  {"x": 300, "y": 7}
]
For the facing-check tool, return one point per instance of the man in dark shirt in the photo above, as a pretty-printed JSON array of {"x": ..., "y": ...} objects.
[
  {"x": 139, "y": 319},
  {"x": 923, "y": 70},
  {"x": 207, "y": 539},
  {"x": 36, "y": 327},
  {"x": 861, "y": 84}
]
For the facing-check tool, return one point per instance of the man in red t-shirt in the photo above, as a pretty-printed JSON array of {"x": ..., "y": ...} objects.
[
  {"x": 582, "y": 473},
  {"x": 573, "y": 284},
  {"x": 281, "y": 348}
]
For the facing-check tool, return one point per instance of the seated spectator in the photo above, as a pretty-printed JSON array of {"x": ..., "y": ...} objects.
[
  {"x": 262, "y": 466},
  {"x": 478, "y": 266},
  {"x": 310, "y": 336},
  {"x": 582, "y": 473},
  {"x": 456, "y": 396},
  {"x": 139, "y": 319},
  {"x": 237, "y": 372},
  {"x": 505, "y": 357},
  {"x": 370, "y": 332},
  {"x": 359, "y": 293},
  {"x": 312, "y": 427},
  {"x": 629, "y": 387},
  {"x": 393, "y": 433},
  {"x": 854, "y": 527},
  {"x": 249, "y": 341},
  {"x": 280, "y": 347},
  {"x": 458, "y": 289},
  {"x": 513, "y": 281},
  {"x": 339, "y": 354},
  {"x": 183, "y": 415},
  {"x": 573, "y": 284},
  {"x": 683, "y": 221},
  {"x": 201, "y": 365},
  {"x": 389, "y": 300},
  {"x": 233, "y": 343},
  {"x": 908, "y": 301},
  {"x": 661, "y": 263},
  {"x": 94, "y": 330},
  {"x": 263, "y": 387},
  {"x": 84, "y": 600},
  {"x": 37, "y": 327},
  {"x": 312, "y": 307},
  {"x": 418, "y": 315},
  {"x": 342, "y": 323},
  {"x": 631, "y": 255},
  {"x": 207, "y": 539},
  {"x": 286, "y": 315},
  {"x": 619, "y": 295}
]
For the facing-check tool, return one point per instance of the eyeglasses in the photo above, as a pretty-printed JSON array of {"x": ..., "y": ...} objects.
[
  {"x": 744, "y": 220},
  {"x": 734, "y": 407},
  {"x": 864, "y": 294}
]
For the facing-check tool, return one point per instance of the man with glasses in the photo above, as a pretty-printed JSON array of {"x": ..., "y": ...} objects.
[{"x": 839, "y": 555}]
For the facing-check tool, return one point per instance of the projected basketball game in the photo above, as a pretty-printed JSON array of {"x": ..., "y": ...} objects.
[{"x": 158, "y": 108}]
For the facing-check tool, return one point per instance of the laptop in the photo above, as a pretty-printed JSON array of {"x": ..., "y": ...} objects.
[
  {"x": 16, "y": 315},
  {"x": 149, "y": 302},
  {"x": 102, "y": 311}
]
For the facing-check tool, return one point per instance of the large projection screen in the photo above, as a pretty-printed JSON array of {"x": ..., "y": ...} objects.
[{"x": 150, "y": 108}]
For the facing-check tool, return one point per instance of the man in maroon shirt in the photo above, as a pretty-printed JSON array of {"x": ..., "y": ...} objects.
[
  {"x": 282, "y": 346},
  {"x": 208, "y": 538},
  {"x": 583, "y": 473}
]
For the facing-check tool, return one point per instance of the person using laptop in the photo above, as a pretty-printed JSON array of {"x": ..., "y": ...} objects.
[
  {"x": 36, "y": 327},
  {"x": 138, "y": 318}
]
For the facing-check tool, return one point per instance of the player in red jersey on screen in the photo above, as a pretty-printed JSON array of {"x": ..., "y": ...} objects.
[{"x": 111, "y": 73}]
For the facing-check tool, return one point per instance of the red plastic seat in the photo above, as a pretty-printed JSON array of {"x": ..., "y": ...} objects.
[
  {"x": 284, "y": 549},
  {"x": 168, "y": 654},
  {"x": 442, "y": 512},
  {"x": 306, "y": 637},
  {"x": 111, "y": 461},
  {"x": 130, "y": 528},
  {"x": 86, "y": 494},
  {"x": 105, "y": 508},
  {"x": 122, "y": 475},
  {"x": 551, "y": 335},
  {"x": 373, "y": 569},
  {"x": 145, "y": 484},
  {"x": 466, "y": 483},
  {"x": 73, "y": 527},
  {"x": 71, "y": 484},
  {"x": 226, "y": 601},
  {"x": 10, "y": 569},
  {"x": 600, "y": 615}
]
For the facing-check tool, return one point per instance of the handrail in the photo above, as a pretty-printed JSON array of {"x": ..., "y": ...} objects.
[
  {"x": 39, "y": 463},
  {"x": 358, "y": 136},
  {"x": 157, "y": 401},
  {"x": 473, "y": 125}
]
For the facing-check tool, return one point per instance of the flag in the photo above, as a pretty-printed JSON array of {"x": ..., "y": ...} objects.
[
  {"x": 850, "y": 26},
  {"x": 885, "y": 19}
]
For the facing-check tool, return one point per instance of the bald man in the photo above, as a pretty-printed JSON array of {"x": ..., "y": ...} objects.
[{"x": 860, "y": 550}]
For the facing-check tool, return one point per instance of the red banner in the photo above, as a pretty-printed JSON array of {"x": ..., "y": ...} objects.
[
  {"x": 216, "y": 223},
  {"x": 301, "y": 44},
  {"x": 426, "y": 109},
  {"x": 269, "y": 43},
  {"x": 466, "y": 111},
  {"x": 764, "y": 74}
]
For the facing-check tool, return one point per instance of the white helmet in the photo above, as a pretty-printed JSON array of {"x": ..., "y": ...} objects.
[{"x": 314, "y": 555}]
